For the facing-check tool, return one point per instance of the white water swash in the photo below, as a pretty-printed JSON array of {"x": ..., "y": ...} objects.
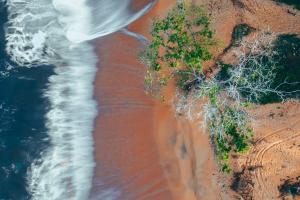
[{"x": 57, "y": 32}]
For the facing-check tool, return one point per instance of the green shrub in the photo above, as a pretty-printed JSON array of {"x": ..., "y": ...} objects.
[
  {"x": 240, "y": 31},
  {"x": 229, "y": 130},
  {"x": 180, "y": 44}
]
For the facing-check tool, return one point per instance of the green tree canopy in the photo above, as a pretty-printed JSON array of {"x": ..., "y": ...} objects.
[{"x": 181, "y": 42}]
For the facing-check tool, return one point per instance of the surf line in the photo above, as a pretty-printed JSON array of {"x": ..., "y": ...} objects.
[{"x": 55, "y": 32}]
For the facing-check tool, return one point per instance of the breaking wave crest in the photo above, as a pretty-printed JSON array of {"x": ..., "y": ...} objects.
[
  {"x": 56, "y": 32},
  {"x": 66, "y": 169}
]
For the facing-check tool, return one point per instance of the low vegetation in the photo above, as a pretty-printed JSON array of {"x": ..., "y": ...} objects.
[
  {"x": 243, "y": 184},
  {"x": 290, "y": 187},
  {"x": 229, "y": 130},
  {"x": 182, "y": 44},
  {"x": 239, "y": 32}
]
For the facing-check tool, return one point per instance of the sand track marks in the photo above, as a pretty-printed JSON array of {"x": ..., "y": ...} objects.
[{"x": 275, "y": 142}]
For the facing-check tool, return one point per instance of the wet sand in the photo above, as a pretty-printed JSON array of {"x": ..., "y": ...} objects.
[{"x": 126, "y": 152}]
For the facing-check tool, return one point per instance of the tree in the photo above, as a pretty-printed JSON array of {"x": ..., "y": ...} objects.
[{"x": 180, "y": 45}]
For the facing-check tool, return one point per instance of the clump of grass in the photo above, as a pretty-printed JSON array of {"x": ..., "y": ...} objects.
[
  {"x": 290, "y": 187},
  {"x": 239, "y": 32}
]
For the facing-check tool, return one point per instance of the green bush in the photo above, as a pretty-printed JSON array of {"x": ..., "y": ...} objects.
[
  {"x": 229, "y": 130},
  {"x": 180, "y": 44},
  {"x": 240, "y": 31}
]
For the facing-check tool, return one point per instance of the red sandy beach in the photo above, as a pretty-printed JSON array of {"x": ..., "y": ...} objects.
[
  {"x": 126, "y": 153},
  {"x": 138, "y": 141}
]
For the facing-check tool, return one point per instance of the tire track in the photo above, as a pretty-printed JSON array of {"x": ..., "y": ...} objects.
[
  {"x": 258, "y": 152},
  {"x": 256, "y": 146},
  {"x": 258, "y": 160}
]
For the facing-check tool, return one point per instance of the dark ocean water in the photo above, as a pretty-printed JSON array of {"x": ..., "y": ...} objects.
[{"x": 22, "y": 122}]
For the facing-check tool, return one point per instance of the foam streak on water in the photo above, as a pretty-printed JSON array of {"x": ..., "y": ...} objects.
[
  {"x": 65, "y": 172},
  {"x": 55, "y": 32}
]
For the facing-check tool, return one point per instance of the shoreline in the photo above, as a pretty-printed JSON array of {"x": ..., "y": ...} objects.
[{"x": 125, "y": 148}]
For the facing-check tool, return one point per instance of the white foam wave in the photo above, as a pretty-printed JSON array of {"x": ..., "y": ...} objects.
[
  {"x": 56, "y": 32},
  {"x": 91, "y": 19},
  {"x": 66, "y": 169},
  {"x": 116, "y": 15},
  {"x": 28, "y": 33},
  {"x": 36, "y": 29}
]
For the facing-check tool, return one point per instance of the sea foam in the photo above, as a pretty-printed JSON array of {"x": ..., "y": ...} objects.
[{"x": 56, "y": 32}]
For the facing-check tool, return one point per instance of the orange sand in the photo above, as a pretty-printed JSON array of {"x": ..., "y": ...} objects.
[
  {"x": 126, "y": 152},
  {"x": 142, "y": 150}
]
